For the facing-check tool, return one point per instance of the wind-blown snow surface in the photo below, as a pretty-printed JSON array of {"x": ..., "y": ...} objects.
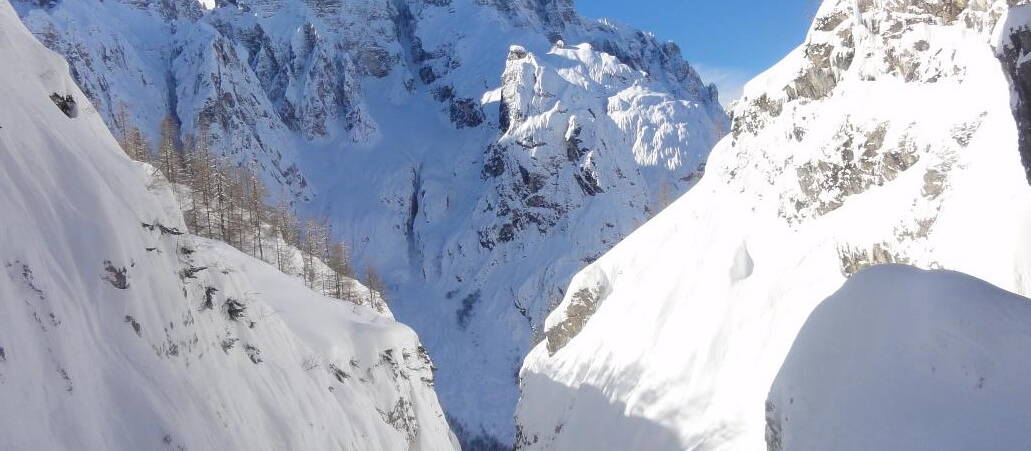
[
  {"x": 886, "y": 138},
  {"x": 903, "y": 359},
  {"x": 477, "y": 152},
  {"x": 117, "y": 332}
]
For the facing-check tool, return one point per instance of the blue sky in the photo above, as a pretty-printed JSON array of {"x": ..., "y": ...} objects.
[{"x": 728, "y": 41}]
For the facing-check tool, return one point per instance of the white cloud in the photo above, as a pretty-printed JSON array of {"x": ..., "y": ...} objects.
[{"x": 730, "y": 81}]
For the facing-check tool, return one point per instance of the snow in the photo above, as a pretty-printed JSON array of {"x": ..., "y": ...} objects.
[
  {"x": 386, "y": 116},
  {"x": 903, "y": 359},
  {"x": 836, "y": 161},
  {"x": 106, "y": 342}
]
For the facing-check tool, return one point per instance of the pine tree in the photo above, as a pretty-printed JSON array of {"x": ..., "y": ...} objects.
[
  {"x": 204, "y": 177},
  {"x": 281, "y": 224},
  {"x": 134, "y": 144},
  {"x": 248, "y": 200},
  {"x": 122, "y": 123},
  {"x": 220, "y": 196},
  {"x": 375, "y": 283},
  {"x": 188, "y": 176},
  {"x": 256, "y": 205},
  {"x": 310, "y": 251},
  {"x": 340, "y": 262},
  {"x": 289, "y": 230},
  {"x": 324, "y": 245},
  {"x": 234, "y": 198},
  {"x": 168, "y": 154}
]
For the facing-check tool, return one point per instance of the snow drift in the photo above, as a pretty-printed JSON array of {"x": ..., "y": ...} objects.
[
  {"x": 904, "y": 359},
  {"x": 887, "y": 137},
  {"x": 120, "y": 331}
]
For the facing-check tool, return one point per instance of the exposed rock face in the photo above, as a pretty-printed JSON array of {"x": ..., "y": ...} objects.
[
  {"x": 1013, "y": 49},
  {"x": 583, "y": 304},
  {"x": 886, "y": 43},
  {"x": 460, "y": 146},
  {"x": 561, "y": 148}
]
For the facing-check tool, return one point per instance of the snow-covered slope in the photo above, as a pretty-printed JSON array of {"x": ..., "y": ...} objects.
[
  {"x": 477, "y": 152},
  {"x": 902, "y": 359},
  {"x": 887, "y": 137},
  {"x": 117, "y": 331}
]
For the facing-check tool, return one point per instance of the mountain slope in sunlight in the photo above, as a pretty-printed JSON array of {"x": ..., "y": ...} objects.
[{"x": 887, "y": 137}]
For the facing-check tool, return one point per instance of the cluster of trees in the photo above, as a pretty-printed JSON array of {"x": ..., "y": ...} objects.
[{"x": 228, "y": 202}]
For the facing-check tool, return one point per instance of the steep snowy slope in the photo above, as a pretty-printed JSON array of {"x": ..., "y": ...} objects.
[
  {"x": 901, "y": 359},
  {"x": 887, "y": 137},
  {"x": 117, "y": 331},
  {"x": 478, "y": 153}
]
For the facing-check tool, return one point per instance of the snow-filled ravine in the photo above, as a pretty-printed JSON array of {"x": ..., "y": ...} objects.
[
  {"x": 119, "y": 331},
  {"x": 886, "y": 137},
  {"x": 477, "y": 153}
]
